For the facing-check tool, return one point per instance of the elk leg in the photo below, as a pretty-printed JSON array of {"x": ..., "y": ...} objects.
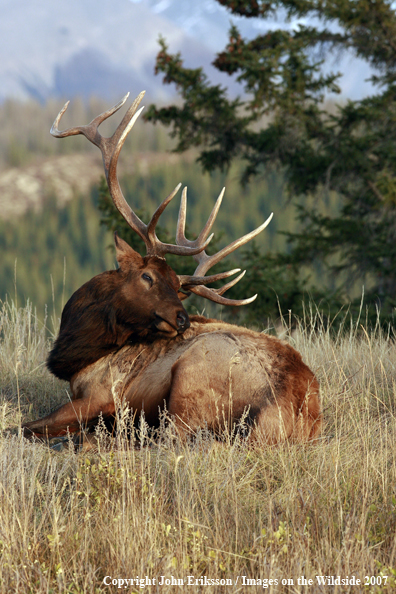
[{"x": 69, "y": 417}]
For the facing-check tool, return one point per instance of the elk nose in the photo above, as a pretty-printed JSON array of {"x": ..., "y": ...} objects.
[{"x": 182, "y": 321}]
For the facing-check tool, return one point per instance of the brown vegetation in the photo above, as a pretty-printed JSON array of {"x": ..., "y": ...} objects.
[{"x": 173, "y": 509}]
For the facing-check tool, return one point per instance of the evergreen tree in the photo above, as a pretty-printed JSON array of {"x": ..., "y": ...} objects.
[{"x": 281, "y": 121}]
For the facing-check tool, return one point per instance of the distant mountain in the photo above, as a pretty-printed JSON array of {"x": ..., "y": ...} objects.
[
  {"x": 106, "y": 47},
  {"x": 85, "y": 47}
]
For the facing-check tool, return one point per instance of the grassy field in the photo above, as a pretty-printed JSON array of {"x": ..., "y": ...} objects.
[{"x": 231, "y": 518}]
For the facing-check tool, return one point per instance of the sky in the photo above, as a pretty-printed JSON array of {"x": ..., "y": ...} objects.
[
  {"x": 105, "y": 47},
  {"x": 193, "y": 17}
]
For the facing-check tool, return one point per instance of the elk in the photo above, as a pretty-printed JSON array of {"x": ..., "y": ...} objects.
[{"x": 125, "y": 337}]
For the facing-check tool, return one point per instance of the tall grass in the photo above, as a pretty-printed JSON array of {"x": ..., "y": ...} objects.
[{"x": 209, "y": 510}]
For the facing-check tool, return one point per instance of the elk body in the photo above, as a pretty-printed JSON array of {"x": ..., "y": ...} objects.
[{"x": 125, "y": 337}]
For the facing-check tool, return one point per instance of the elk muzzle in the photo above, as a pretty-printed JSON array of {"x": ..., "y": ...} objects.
[{"x": 172, "y": 328}]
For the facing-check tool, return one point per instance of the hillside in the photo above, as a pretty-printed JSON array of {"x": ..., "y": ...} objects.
[
  {"x": 48, "y": 202},
  {"x": 54, "y": 221},
  {"x": 63, "y": 177},
  {"x": 24, "y": 189}
]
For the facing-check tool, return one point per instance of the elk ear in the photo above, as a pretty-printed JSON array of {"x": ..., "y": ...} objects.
[
  {"x": 125, "y": 254},
  {"x": 182, "y": 296}
]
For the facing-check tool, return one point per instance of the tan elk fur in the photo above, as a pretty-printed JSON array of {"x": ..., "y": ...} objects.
[{"x": 207, "y": 377}]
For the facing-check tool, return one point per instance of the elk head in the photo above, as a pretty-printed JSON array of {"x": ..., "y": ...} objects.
[
  {"x": 147, "y": 298},
  {"x": 143, "y": 297}
]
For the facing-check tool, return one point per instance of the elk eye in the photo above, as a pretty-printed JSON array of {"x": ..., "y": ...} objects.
[{"x": 147, "y": 278}]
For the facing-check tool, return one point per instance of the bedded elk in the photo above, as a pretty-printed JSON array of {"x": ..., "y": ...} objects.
[{"x": 126, "y": 338}]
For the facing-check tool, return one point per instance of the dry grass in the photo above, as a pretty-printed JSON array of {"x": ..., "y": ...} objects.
[{"x": 220, "y": 511}]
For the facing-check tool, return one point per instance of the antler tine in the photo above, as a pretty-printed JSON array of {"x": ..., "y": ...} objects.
[
  {"x": 205, "y": 262},
  {"x": 214, "y": 295},
  {"x": 181, "y": 238},
  {"x": 90, "y": 129},
  {"x": 188, "y": 281},
  {"x": 157, "y": 247},
  {"x": 234, "y": 281}
]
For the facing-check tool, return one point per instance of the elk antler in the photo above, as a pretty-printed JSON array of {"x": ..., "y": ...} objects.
[
  {"x": 206, "y": 262},
  {"x": 110, "y": 149}
]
